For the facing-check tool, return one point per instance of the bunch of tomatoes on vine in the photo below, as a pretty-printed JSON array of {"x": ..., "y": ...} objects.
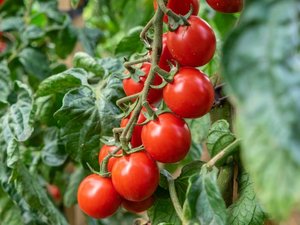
[{"x": 168, "y": 76}]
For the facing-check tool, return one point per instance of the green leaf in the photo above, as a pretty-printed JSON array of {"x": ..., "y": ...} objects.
[
  {"x": 70, "y": 197},
  {"x": 130, "y": 44},
  {"x": 12, "y": 24},
  {"x": 63, "y": 82},
  {"x": 65, "y": 40},
  {"x": 219, "y": 137},
  {"x": 204, "y": 203},
  {"x": 5, "y": 82},
  {"x": 35, "y": 62},
  {"x": 246, "y": 210},
  {"x": 89, "y": 38},
  {"x": 74, "y": 3},
  {"x": 262, "y": 74},
  {"x": 83, "y": 60},
  {"x": 80, "y": 123},
  {"x": 53, "y": 152},
  {"x": 32, "y": 32}
]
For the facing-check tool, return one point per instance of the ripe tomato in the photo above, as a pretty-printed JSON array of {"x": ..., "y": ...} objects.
[
  {"x": 54, "y": 191},
  {"x": 104, "y": 152},
  {"x": 165, "y": 55},
  {"x": 226, "y": 6},
  {"x": 181, "y": 7},
  {"x": 136, "y": 135},
  {"x": 190, "y": 95},
  {"x": 135, "y": 176},
  {"x": 167, "y": 139},
  {"x": 137, "y": 207},
  {"x": 131, "y": 87},
  {"x": 1, "y": 2},
  {"x": 97, "y": 196},
  {"x": 192, "y": 45}
]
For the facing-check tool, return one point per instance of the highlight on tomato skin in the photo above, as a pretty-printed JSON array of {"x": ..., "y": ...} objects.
[
  {"x": 138, "y": 207},
  {"x": 193, "y": 45},
  {"x": 167, "y": 138},
  {"x": 190, "y": 94},
  {"x": 226, "y": 6},
  {"x": 181, "y": 7},
  {"x": 97, "y": 197}
]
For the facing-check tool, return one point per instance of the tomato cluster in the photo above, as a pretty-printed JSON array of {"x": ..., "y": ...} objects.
[{"x": 166, "y": 138}]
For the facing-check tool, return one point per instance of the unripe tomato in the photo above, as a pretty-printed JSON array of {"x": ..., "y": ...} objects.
[
  {"x": 226, "y": 6},
  {"x": 181, "y": 7},
  {"x": 97, "y": 196},
  {"x": 190, "y": 95},
  {"x": 136, "y": 139},
  {"x": 54, "y": 191},
  {"x": 167, "y": 138},
  {"x": 165, "y": 55},
  {"x": 192, "y": 45},
  {"x": 135, "y": 176},
  {"x": 137, "y": 207},
  {"x": 104, "y": 152},
  {"x": 131, "y": 87}
]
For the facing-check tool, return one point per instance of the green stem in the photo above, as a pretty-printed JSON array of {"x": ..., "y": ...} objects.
[
  {"x": 103, "y": 166},
  {"x": 230, "y": 149},
  {"x": 174, "y": 198},
  {"x": 121, "y": 101},
  {"x": 128, "y": 65}
]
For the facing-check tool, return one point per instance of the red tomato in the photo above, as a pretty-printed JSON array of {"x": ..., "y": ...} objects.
[
  {"x": 190, "y": 95},
  {"x": 135, "y": 176},
  {"x": 167, "y": 139},
  {"x": 181, "y": 7},
  {"x": 226, "y": 6},
  {"x": 2, "y": 46},
  {"x": 54, "y": 191},
  {"x": 97, "y": 196},
  {"x": 136, "y": 135},
  {"x": 165, "y": 55},
  {"x": 104, "y": 152},
  {"x": 192, "y": 45},
  {"x": 137, "y": 207},
  {"x": 1, "y": 2},
  {"x": 131, "y": 87}
]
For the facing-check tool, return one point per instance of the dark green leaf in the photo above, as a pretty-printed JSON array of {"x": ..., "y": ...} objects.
[
  {"x": 204, "y": 203},
  {"x": 261, "y": 67},
  {"x": 63, "y": 82},
  {"x": 5, "y": 82},
  {"x": 89, "y": 38},
  {"x": 130, "y": 44},
  {"x": 219, "y": 137},
  {"x": 246, "y": 210},
  {"x": 83, "y": 60},
  {"x": 65, "y": 41}
]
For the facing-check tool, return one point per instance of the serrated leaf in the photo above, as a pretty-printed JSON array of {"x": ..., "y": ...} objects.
[
  {"x": 219, "y": 137},
  {"x": 53, "y": 153},
  {"x": 268, "y": 115},
  {"x": 130, "y": 44},
  {"x": 204, "y": 203},
  {"x": 83, "y": 60},
  {"x": 70, "y": 196},
  {"x": 246, "y": 210},
  {"x": 62, "y": 82},
  {"x": 80, "y": 123}
]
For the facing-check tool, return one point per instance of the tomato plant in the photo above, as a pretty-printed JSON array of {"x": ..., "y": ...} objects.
[
  {"x": 226, "y": 6},
  {"x": 137, "y": 207},
  {"x": 190, "y": 95},
  {"x": 97, "y": 197}
]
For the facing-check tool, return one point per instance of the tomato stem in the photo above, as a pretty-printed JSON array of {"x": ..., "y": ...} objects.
[
  {"x": 103, "y": 166},
  {"x": 174, "y": 198},
  {"x": 230, "y": 149},
  {"x": 128, "y": 65}
]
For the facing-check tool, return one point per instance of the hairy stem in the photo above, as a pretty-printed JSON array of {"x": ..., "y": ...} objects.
[{"x": 128, "y": 65}]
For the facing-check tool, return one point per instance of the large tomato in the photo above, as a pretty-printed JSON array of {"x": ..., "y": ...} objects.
[
  {"x": 181, "y": 7},
  {"x": 226, "y": 6},
  {"x": 97, "y": 196},
  {"x": 192, "y": 45},
  {"x": 104, "y": 152},
  {"x": 135, "y": 176},
  {"x": 137, "y": 207},
  {"x": 132, "y": 87},
  {"x": 136, "y": 135},
  {"x": 190, "y": 95},
  {"x": 167, "y": 139}
]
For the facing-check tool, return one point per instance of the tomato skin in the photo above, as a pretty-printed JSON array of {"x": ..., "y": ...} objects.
[
  {"x": 54, "y": 191},
  {"x": 181, "y": 7},
  {"x": 165, "y": 55},
  {"x": 192, "y": 45},
  {"x": 226, "y": 6},
  {"x": 131, "y": 87},
  {"x": 1, "y": 2},
  {"x": 97, "y": 197},
  {"x": 190, "y": 95},
  {"x": 167, "y": 138},
  {"x": 137, "y": 207},
  {"x": 104, "y": 152},
  {"x": 135, "y": 176}
]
